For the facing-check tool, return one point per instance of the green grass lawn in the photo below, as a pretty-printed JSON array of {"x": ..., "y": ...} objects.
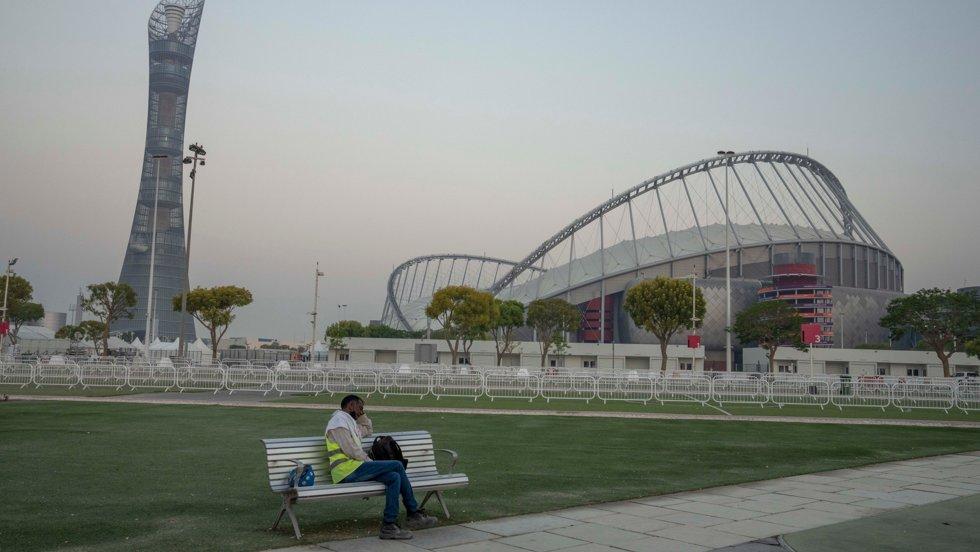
[
  {"x": 90, "y": 476},
  {"x": 596, "y": 405}
]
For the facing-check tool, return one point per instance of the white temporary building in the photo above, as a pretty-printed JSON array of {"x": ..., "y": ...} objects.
[
  {"x": 137, "y": 344},
  {"x": 119, "y": 344}
]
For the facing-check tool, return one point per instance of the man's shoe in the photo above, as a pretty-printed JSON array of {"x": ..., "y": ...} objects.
[
  {"x": 394, "y": 532},
  {"x": 420, "y": 520}
]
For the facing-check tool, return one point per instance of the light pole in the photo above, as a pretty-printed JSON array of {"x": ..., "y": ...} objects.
[
  {"x": 153, "y": 255},
  {"x": 199, "y": 154},
  {"x": 694, "y": 314},
  {"x": 342, "y": 309},
  {"x": 728, "y": 269},
  {"x": 6, "y": 292},
  {"x": 316, "y": 298}
]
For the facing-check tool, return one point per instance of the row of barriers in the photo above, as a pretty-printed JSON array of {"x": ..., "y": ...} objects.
[{"x": 387, "y": 380}]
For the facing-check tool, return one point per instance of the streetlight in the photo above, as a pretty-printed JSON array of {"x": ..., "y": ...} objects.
[
  {"x": 6, "y": 291},
  {"x": 199, "y": 154},
  {"x": 727, "y": 155},
  {"x": 153, "y": 254},
  {"x": 342, "y": 309},
  {"x": 316, "y": 298}
]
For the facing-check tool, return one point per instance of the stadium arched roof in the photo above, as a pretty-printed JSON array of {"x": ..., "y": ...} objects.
[{"x": 774, "y": 197}]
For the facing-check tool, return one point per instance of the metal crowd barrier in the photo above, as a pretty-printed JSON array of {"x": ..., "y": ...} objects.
[{"x": 522, "y": 383}]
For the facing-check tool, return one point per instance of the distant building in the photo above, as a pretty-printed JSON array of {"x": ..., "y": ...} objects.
[{"x": 54, "y": 321}]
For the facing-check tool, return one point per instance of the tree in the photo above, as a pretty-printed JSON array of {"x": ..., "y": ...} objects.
[
  {"x": 345, "y": 328},
  {"x": 464, "y": 314},
  {"x": 771, "y": 324},
  {"x": 20, "y": 309},
  {"x": 551, "y": 318},
  {"x": 510, "y": 317},
  {"x": 662, "y": 306},
  {"x": 109, "y": 301},
  {"x": 942, "y": 317},
  {"x": 66, "y": 332},
  {"x": 972, "y": 347},
  {"x": 93, "y": 330},
  {"x": 214, "y": 308}
]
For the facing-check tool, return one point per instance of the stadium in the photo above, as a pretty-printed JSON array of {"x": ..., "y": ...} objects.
[{"x": 793, "y": 234}]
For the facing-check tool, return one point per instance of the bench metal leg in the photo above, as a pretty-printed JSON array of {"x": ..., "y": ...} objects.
[
  {"x": 438, "y": 495},
  {"x": 287, "y": 508}
]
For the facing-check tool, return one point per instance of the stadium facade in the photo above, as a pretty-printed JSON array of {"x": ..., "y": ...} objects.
[
  {"x": 172, "y": 28},
  {"x": 787, "y": 212}
]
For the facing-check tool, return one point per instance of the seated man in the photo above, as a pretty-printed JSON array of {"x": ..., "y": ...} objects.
[{"x": 349, "y": 464}]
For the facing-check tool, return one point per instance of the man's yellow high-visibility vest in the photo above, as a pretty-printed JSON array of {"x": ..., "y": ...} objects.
[{"x": 341, "y": 465}]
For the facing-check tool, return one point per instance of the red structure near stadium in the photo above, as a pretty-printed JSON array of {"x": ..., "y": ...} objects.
[{"x": 799, "y": 284}]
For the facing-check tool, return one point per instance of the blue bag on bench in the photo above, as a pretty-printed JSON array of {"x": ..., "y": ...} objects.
[{"x": 306, "y": 478}]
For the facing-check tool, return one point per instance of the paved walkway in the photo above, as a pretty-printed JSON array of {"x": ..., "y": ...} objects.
[
  {"x": 262, "y": 401},
  {"x": 702, "y": 520}
]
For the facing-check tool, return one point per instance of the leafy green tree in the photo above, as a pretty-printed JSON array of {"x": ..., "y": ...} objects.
[
  {"x": 771, "y": 324},
  {"x": 463, "y": 312},
  {"x": 942, "y": 317},
  {"x": 109, "y": 301},
  {"x": 93, "y": 330},
  {"x": 972, "y": 347},
  {"x": 551, "y": 318},
  {"x": 383, "y": 331},
  {"x": 69, "y": 332},
  {"x": 510, "y": 317},
  {"x": 346, "y": 328},
  {"x": 662, "y": 306},
  {"x": 20, "y": 308},
  {"x": 214, "y": 308}
]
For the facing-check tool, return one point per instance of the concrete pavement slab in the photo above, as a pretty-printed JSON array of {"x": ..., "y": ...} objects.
[
  {"x": 704, "y": 536},
  {"x": 661, "y": 544},
  {"x": 521, "y": 524},
  {"x": 598, "y": 533},
  {"x": 541, "y": 541}
]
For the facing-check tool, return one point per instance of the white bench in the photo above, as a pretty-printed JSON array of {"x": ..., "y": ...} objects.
[{"x": 283, "y": 455}]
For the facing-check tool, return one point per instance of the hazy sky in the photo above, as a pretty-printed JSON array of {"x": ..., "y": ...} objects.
[{"x": 361, "y": 134}]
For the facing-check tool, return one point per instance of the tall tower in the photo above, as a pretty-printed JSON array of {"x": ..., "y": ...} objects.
[{"x": 172, "y": 30}]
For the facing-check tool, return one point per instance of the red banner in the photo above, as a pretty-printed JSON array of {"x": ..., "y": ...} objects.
[
  {"x": 4, "y": 327},
  {"x": 811, "y": 333},
  {"x": 694, "y": 341}
]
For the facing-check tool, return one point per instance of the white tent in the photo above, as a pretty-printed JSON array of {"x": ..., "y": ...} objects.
[
  {"x": 137, "y": 344},
  {"x": 319, "y": 347},
  {"x": 159, "y": 345},
  {"x": 119, "y": 344},
  {"x": 198, "y": 346}
]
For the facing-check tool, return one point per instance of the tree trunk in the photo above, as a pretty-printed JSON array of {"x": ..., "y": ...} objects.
[
  {"x": 663, "y": 357},
  {"x": 772, "y": 360},
  {"x": 105, "y": 337},
  {"x": 214, "y": 345},
  {"x": 544, "y": 353},
  {"x": 944, "y": 359}
]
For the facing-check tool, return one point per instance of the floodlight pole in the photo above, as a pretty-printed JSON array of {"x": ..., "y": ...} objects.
[
  {"x": 694, "y": 315},
  {"x": 153, "y": 255},
  {"x": 199, "y": 154},
  {"x": 728, "y": 269},
  {"x": 316, "y": 298}
]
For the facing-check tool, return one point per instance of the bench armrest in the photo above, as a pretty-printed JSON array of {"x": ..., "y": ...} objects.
[{"x": 454, "y": 455}]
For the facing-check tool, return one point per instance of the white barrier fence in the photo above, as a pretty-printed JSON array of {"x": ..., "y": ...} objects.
[{"x": 502, "y": 383}]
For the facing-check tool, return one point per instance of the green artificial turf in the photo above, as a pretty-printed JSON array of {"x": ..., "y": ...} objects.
[{"x": 91, "y": 476}]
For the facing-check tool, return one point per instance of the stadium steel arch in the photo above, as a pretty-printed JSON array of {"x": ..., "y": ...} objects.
[
  {"x": 673, "y": 224},
  {"x": 399, "y": 306},
  {"x": 172, "y": 35}
]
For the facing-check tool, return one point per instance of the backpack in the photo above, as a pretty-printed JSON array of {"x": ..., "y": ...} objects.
[
  {"x": 386, "y": 448},
  {"x": 306, "y": 477}
]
